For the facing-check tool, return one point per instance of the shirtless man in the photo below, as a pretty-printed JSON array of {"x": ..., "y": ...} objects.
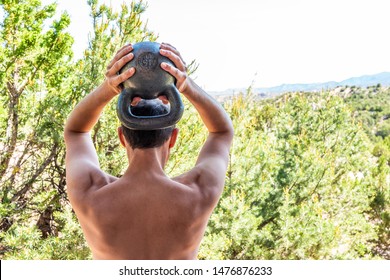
[{"x": 145, "y": 214}]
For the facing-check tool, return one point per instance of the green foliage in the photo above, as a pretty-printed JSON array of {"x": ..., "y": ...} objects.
[
  {"x": 372, "y": 108},
  {"x": 300, "y": 183},
  {"x": 25, "y": 242},
  {"x": 36, "y": 61}
]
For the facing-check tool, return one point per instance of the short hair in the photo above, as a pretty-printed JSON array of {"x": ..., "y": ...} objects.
[{"x": 145, "y": 139}]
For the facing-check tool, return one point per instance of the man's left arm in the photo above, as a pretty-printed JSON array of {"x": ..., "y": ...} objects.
[{"x": 81, "y": 158}]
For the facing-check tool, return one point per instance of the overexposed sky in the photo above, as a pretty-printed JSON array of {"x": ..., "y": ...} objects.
[{"x": 264, "y": 42}]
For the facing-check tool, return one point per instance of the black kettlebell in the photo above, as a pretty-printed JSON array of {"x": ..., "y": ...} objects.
[{"x": 149, "y": 82}]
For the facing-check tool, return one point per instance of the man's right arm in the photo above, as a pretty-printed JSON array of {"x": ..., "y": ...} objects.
[{"x": 212, "y": 163}]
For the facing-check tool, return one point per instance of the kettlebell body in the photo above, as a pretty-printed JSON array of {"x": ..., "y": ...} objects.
[{"x": 149, "y": 82}]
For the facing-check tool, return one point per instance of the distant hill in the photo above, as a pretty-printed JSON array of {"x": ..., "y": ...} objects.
[{"x": 363, "y": 81}]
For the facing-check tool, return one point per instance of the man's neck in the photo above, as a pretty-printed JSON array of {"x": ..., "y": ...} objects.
[{"x": 151, "y": 161}]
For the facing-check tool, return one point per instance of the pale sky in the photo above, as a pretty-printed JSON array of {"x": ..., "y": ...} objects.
[{"x": 265, "y": 42}]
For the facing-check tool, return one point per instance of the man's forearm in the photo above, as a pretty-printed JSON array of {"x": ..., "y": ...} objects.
[
  {"x": 85, "y": 115},
  {"x": 213, "y": 115}
]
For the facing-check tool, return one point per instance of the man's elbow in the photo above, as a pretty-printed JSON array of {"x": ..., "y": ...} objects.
[
  {"x": 230, "y": 131},
  {"x": 67, "y": 130},
  {"x": 66, "y": 134},
  {"x": 227, "y": 134}
]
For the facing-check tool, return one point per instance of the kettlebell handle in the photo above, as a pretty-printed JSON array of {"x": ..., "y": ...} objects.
[
  {"x": 131, "y": 121},
  {"x": 148, "y": 82}
]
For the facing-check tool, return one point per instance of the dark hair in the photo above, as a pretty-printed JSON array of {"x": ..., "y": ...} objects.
[{"x": 144, "y": 139}]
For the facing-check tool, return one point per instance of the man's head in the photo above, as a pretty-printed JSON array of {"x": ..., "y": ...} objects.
[{"x": 144, "y": 139}]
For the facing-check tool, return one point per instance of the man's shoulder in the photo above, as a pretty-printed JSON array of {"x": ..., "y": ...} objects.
[
  {"x": 206, "y": 193},
  {"x": 94, "y": 180}
]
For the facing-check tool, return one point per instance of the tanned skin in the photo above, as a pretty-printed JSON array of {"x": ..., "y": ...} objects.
[{"x": 145, "y": 214}]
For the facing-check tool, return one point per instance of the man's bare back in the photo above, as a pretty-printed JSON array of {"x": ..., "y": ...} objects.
[
  {"x": 144, "y": 214},
  {"x": 132, "y": 218}
]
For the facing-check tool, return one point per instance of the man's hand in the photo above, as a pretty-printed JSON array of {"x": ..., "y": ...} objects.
[
  {"x": 120, "y": 59},
  {"x": 85, "y": 115},
  {"x": 180, "y": 71}
]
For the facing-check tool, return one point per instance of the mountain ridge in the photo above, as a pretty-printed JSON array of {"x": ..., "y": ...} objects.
[{"x": 382, "y": 78}]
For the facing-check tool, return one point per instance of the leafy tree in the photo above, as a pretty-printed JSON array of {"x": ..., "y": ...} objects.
[
  {"x": 40, "y": 84},
  {"x": 35, "y": 62}
]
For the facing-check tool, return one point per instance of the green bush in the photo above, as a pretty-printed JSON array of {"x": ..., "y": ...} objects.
[{"x": 299, "y": 186}]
